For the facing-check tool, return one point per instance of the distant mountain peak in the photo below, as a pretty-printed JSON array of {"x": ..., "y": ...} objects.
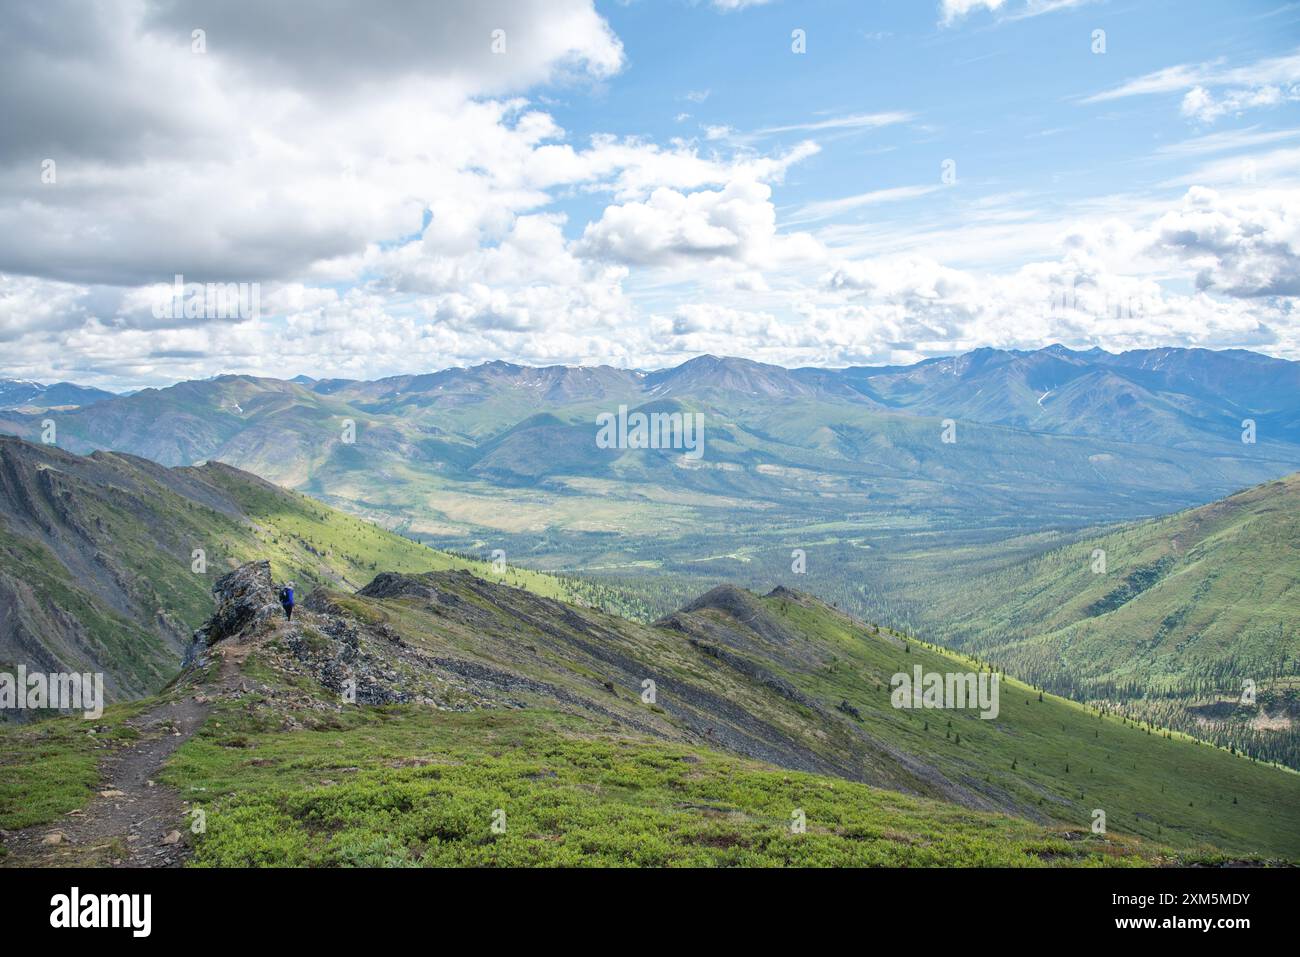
[{"x": 29, "y": 394}]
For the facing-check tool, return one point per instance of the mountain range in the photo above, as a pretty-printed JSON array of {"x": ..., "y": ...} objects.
[
  {"x": 25, "y": 395},
  {"x": 980, "y": 542},
  {"x": 1051, "y": 437}
]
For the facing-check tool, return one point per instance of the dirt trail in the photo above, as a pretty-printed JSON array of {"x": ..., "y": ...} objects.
[
  {"x": 131, "y": 815},
  {"x": 132, "y": 820},
  {"x": 126, "y": 823}
]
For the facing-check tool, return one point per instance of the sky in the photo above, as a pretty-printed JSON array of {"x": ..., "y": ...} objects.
[{"x": 413, "y": 186}]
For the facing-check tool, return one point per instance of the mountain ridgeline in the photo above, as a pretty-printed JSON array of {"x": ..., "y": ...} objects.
[
  {"x": 24, "y": 395},
  {"x": 390, "y": 724},
  {"x": 109, "y": 559}
]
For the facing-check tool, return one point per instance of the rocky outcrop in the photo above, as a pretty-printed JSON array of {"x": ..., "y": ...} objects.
[
  {"x": 358, "y": 661},
  {"x": 245, "y": 598},
  {"x": 395, "y": 585},
  {"x": 743, "y": 608}
]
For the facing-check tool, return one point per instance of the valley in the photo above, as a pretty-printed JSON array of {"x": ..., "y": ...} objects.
[{"x": 479, "y": 571}]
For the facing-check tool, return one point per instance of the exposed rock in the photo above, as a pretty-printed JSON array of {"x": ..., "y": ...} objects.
[
  {"x": 395, "y": 585},
  {"x": 243, "y": 597},
  {"x": 743, "y": 608},
  {"x": 849, "y": 710}
]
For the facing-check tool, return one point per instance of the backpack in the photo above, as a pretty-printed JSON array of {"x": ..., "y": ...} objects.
[{"x": 286, "y": 596}]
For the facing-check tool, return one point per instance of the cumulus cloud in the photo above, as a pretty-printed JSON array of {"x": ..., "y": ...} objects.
[
  {"x": 223, "y": 168},
  {"x": 300, "y": 134},
  {"x": 909, "y": 308},
  {"x": 1242, "y": 252},
  {"x": 29, "y": 305},
  {"x": 953, "y": 10},
  {"x": 736, "y": 223},
  {"x": 407, "y": 201},
  {"x": 479, "y": 46},
  {"x": 1245, "y": 247}
]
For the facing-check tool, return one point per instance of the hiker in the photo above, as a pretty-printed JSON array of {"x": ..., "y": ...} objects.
[{"x": 286, "y": 600}]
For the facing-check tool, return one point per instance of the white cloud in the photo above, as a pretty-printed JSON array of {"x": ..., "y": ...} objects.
[
  {"x": 952, "y": 10},
  {"x": 735, "y": 224},
  {"x": 825, "y": 209},
  {"x": 907, "y": 308},
  {"x": 1114, "y": 284},
  {"x": 1244, "y": 247},
  {"x": 855, "y": 121},
  {"x": 1226, "y": 141},
  {"x": 271, "y": 151},
  {"x": 1275, "y": 168},
  {"x": 1204, "y": 107},
  {"x": 1212, "y": 90},
  {"x": 28, "y": 305},
  {"x": 474, "y": 46}
]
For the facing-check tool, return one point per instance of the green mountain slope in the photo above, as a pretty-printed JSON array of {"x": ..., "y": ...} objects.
[
  {"x": 97, "y": 557},
  {"x": 787, "y": 680},
  {"x": 1188, "y": 609},
  {"x": 399, "y": 724}
]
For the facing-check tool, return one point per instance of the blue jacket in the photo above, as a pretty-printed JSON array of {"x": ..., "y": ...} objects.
[{"x": 286, "y": 596}]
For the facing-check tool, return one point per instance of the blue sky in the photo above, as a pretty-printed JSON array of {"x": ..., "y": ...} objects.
[
  {"x": 639, "y": 182},
  {"x": 1003, "y": 94}
]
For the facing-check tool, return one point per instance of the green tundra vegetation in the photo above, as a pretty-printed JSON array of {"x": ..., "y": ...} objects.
[{"x": 412, "y": 784}]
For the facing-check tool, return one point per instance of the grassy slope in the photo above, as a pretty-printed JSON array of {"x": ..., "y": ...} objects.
[
  {"x": 405, "y": 786},
  {"x": 1173, "y": 789},
  {"x": 1051, "y": 760},
  {"x": 409, "y": 785},
  {"x": 1068, "y": 759},
  {"x": 1221, "y": 586},
  {"x": 1189, "y": 608}
]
